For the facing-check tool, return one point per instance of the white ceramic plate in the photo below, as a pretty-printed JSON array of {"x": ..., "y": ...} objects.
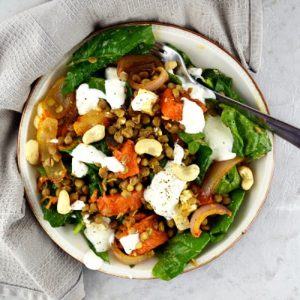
[{"x": 204, "y": 54}]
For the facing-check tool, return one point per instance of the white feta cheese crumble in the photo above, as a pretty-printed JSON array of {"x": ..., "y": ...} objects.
[
  {"x": 144, "y": 101},
  {"x": 100, "y": 235},
  {"x": 77, "y": 205},
  {"x": 129, "y": 242}
]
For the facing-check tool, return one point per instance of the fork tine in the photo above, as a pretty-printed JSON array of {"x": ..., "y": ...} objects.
[
  {"x": 158, "y": 49},
  {"x": 159, "y": 45},
  {"x": 156, "y": 52}
]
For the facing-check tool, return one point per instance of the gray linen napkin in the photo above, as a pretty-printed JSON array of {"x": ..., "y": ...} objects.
[{"x": 31, "y": 43}]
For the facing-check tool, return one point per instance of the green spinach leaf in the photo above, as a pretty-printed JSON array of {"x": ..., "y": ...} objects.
[
  {"x": 54, "y": 218},
  {"x": 94, "y": 179},
  {"x": 174, "y": 78},
  {"x": 230, "y": 182},
  {"x": 198, "y": 146},
  {"x": 249, "y": 139},
  {"x": 67, "y": 151},
  {"x": 194, "y": 141},
  {"x": 223, "y": 223},
  {"x": 104, "y": 49},
  {"x": 129, "y": 94},
  {"x": 177, "y": 254},
  {"x": 102, "y": 146},
  {"x": 203, "y": 160},
  {"x": 42, "y": 171},
  {"x": 79, "y": 223}
]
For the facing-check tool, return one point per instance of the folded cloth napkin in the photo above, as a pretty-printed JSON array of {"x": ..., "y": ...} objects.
[{"x": 31, "y": 43}]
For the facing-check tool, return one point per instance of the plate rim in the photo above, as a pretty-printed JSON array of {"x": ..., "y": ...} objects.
[{"x": 226, "y": 52}]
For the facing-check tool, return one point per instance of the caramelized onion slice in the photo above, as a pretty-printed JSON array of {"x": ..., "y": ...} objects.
[
  {"x": 47, "y": 131},
  {"x": 215, "y": 174},
  {"x": 55, "y": 104},
  {"x": 151, "y": 85},
  {"x": 130, "y": 260},
  {"x": 202, "y": 213},
  {"x": 126, "y": 63},
  {"x": 89, "y": 120}
]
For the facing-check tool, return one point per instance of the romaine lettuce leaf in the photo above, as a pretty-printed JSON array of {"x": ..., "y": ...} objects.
[
  {"x": 177, "y": 254},
  {"x": 106, "y": 48},
  {"x": 199, "y": 147},
  {"x": 250, "y": 140},
  {"x": 219, "y": 82}
]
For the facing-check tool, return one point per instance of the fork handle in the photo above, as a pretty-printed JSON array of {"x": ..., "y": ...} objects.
[{"x": 287, "y": 132}]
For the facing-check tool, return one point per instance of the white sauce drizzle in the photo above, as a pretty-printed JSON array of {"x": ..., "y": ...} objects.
[
  {"x": 115, "y": 92},
  {"x": 89, "y": 154},
  {"x": 87, "y": 99},
  {"x": 195, "y": 72},
  {"x": 164, "y": 191},
  {"x": 79, "y": 169},
  {"x": 219, "y": 138},
  {"x": 92, "y": 261},
  {"x": 192, "y": 117}
]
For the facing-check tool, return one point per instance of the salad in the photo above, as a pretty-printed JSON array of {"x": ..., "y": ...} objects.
[{"x": 140, "y": 162}]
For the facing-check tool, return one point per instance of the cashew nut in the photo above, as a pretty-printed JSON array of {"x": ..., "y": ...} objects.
[
  {"x": 32, "y": 152},
  {"x": 247, "y": 177},
  {"x": 148, "y": 146},
  {"x": 94, "y": 134},
  {"x": 63, "y": 203},
  {"x": 186, "y": 173}
]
